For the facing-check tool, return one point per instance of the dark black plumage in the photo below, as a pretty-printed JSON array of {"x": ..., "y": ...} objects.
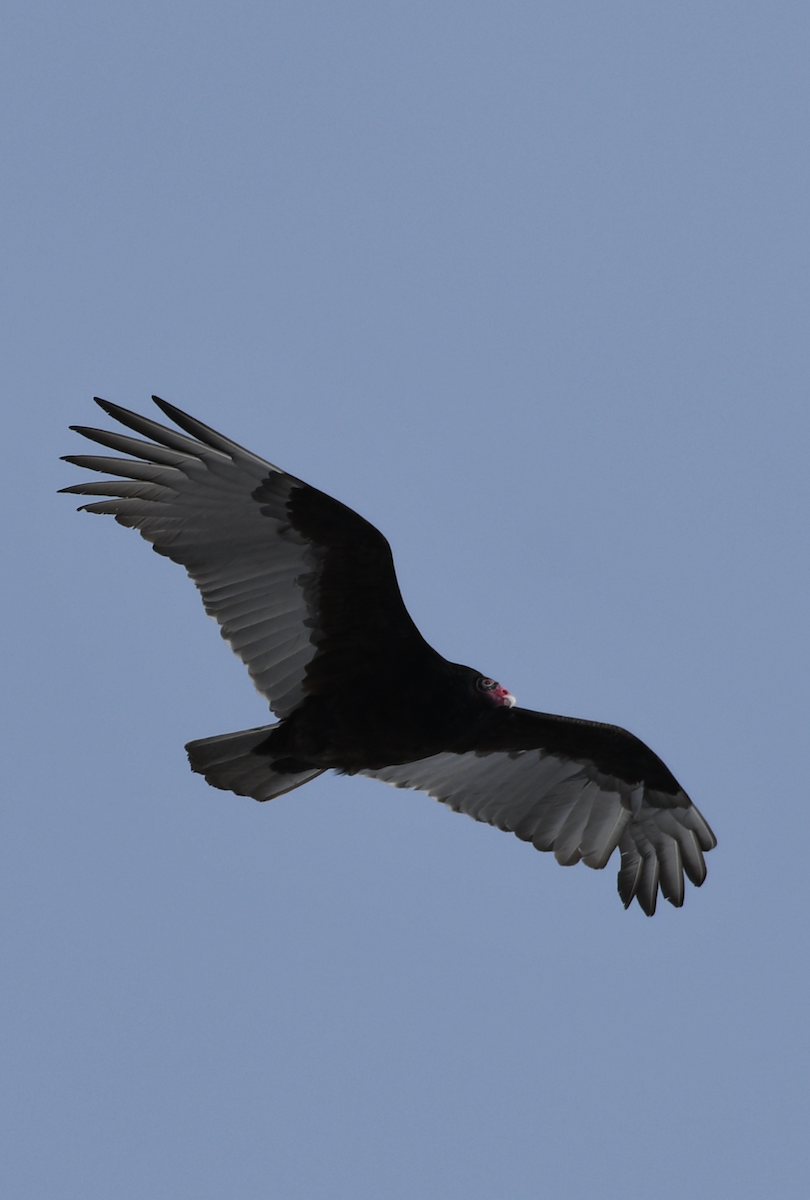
[{"x": 305, "y": 592}]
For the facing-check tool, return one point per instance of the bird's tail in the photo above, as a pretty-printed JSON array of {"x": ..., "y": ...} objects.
[{"x": 229, "y": 761}]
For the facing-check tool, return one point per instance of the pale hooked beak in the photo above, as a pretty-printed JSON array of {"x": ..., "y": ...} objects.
[{"x": 504, "y": 698}]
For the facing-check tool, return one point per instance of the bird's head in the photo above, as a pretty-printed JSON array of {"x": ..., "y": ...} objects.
[{"x": 495, "y": 693}]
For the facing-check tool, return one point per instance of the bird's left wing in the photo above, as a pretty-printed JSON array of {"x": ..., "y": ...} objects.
[
  {"x": 579, "y": 788},
  {"x": 303, "y": 587}
]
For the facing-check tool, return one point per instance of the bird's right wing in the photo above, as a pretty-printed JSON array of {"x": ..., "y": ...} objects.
[
  {"x": 579, "y": 789},
  {"x": 303, "y": 588}
]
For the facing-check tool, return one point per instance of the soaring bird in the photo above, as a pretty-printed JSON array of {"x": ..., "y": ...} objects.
[{"x": 305, "y": 592}]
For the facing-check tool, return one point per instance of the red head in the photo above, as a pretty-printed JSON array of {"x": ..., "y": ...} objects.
[{"x": 497, "y": 694}]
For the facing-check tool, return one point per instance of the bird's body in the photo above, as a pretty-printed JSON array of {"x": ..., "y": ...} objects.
[{"x": 305, "y": 591}]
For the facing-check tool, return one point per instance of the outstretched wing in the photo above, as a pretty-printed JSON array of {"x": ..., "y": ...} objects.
[
  {"x": 304, "y": 588},
  {"x": 578, "y": 788}
]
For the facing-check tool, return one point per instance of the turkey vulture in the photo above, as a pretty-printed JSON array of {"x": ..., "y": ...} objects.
[{"x": 305, "y": 592}]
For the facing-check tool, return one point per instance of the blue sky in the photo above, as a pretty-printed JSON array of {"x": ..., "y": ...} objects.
[{"x": 526, "y": 285}]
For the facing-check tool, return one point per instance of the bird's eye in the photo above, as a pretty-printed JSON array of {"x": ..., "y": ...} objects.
[{"x": 487, "y": 685}]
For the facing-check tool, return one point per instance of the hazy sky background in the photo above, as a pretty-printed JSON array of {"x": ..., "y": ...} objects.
[{"x": 527, "y": 285}]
